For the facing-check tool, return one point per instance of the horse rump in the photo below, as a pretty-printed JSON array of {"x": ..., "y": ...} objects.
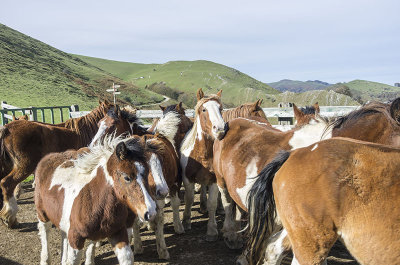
[{"x": 262, "y": 209}]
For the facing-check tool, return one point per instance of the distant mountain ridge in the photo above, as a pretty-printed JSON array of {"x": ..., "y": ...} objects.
[{"x": 298, "y": 86}]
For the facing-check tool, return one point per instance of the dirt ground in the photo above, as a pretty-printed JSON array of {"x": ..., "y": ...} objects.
[{"x": 22, "y": 245}]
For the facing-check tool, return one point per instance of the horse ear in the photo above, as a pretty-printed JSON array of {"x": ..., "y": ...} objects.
[
  {"x": 106, "y": 102},
  {"x": 200, "y": 94},
  {"x": 179, "y": 106},
  {"x": 395, "y": 109},
  {"x": 297, "y": 113},
  {"x": 161, "y": 107},
  {"x": 316, "y": 107},
  {"x": 14, "y": 118},
  {"x": 121, "y": 151},
  {"x": 219, "y": 93}
]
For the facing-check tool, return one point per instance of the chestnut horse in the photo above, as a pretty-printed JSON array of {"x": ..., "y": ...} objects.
[
  {"x": 247, "y": 147},
  {"x": 92, "y": 196},
  {"x": 196, "y": 157},
  {"x": 24, "y": 143},
  {"x": 23, "y": 117},
  {"x": 119, "y": 121},
  {"x": 337, "y": 188}
]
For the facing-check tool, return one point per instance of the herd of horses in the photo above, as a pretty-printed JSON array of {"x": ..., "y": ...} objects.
[{"x": 102, "y": 175}]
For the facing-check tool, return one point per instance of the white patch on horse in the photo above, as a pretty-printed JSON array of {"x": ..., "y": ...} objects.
[
  {"x": 99, "y": 134},
  {"x": 310, "y": 134},
  {"x": 214, "y": 113},
  {"x": 150, "y": 204},
  {"x": 157, "y": 172},
  {"x": 168, "y": 126},
  {"x": 255, "y": 122},
  {"x": 251, "y": 173},
  {"x": 275, "y": 249},
  {"x": 315, "y": 147},
  {"x": 72, "y": 182},
  {"x": 187, "y": 146},
  {"x": 124, "y": 255}
]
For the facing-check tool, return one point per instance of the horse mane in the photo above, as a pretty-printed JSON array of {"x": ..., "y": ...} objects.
[
  {"x": 156, "y": 145},
  {"x": 129, "y": 113},
  {"x": 167, "y": 126},
  {"x": 241, "y": 111},
  {"x": 190, "y": 137},
  {"x": 87, "y": 162},
  {"x": 370, "y": 108},
  {"x": 86, "y": 126},
  {"x": 308, "y": 110}
]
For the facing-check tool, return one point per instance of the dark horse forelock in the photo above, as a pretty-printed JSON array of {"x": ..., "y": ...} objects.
[{"x": 308, "y": 110}]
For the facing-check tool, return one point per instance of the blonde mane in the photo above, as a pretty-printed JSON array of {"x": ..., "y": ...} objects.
[
  {"x": 190, "y": 137},
  {"x": 167, "y": 126},
  {"x": 87, "y": 162}
]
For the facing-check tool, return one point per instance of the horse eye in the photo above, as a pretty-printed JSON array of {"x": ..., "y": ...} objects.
[
  {"x": 204, "y": 110},
  {"x": 127, "y": 179}
]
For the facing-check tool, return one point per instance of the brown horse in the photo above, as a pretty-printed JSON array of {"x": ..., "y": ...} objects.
[
  {"x": 119, "y": 121},
  {"x": 337, "y": 188},
  {"x": 247, "y": 147},
  {"x": 92, "y": 196},
  {"x": 196, "y": 157},
  {"x": 176, "y": 108},
  {"x": 24, "y": 143},
  {"x": 247, "y": 110},
  {"x": 23, "y": 117}
]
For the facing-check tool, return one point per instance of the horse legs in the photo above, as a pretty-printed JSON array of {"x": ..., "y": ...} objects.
[
  {"x": 44, "y": 228},
  {"x": 74, "y": 256},
  {"x": 175, "y": 203},
  {"x": 137, "y": 241},
  {"x": 231, "y": 227},
  {"x": 64, "y": 248},
  {"x": 189, "y": 198},
  {"x": 122, "y": 248},
  {"x": 203, "y": 199},
  {"x": 90, "y": 253},
  {"x": 212, "y": 231},
  {"x": 277, "y": 247},
  {"x": 159, "y": 230}
]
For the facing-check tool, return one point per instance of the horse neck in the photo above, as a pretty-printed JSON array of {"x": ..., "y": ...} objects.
[{"x": 309, "y": 134}]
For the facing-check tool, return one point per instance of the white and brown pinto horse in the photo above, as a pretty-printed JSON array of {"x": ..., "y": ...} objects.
[
  {"x": 197, "y": 154},
  {"x": 247, "y": 147},
  {"x": 92, "y": 194},
  {"x": 23, "y": 143},
  {"x": 335, "y": 189}
]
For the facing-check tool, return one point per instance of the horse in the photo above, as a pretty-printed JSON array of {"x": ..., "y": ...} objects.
[
  {"x": 336, "y": 188},
  {"x": 23, "y": 117},
  {"x": 169, "y": 133},
  {"x": 176, "y": 108},
  {"x": 247, "y": 110},
  {"x": 24, "y": 143},
  {"x": 119, "y": 121},
  {"x": 247, "y": 147},
  {"x": 91, "y": 195},
  {"x": 196, "y": 157},
  {"x": 373, "y": 122}
]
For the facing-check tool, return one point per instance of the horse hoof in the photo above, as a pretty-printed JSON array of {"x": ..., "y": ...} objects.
[
  {"x": 187, "y": 225},
  {"x": 179, "y": 229},
  {"x": 163, "y": 254},
  {"x": 233, "y": 244},
  {"x": 211, "y": 238}
]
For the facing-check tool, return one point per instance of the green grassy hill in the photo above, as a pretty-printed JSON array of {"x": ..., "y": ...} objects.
[
  {"x": 323, "y": 97},
  {"x": 298, "y": 86},
  {"x": 33, "y": 73},
  {"x": 368, "y": 90},
  {"x": 181, "y": 79}
]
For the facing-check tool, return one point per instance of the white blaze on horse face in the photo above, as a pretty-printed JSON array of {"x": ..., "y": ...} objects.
[
  {"x": 150, "y": 204},
  {"x": 310, "y": 134},
  {"x": 251, "y": 173},
  {"x": 100, "y": 133},
  {"x": 157, "y": 172},
  {"x": 214, "y": 113},
  {"x": 72, "y": 181}
]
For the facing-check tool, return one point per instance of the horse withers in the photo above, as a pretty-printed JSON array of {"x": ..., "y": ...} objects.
[
  {"x": 334, "y": 189},
  {"x": 92, "y": 196}
]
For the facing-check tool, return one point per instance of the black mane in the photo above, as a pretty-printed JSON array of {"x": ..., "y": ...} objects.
[{"x": 308, "y": 110}]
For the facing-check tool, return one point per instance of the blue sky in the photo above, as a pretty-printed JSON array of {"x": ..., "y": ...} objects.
[{"x": 332, "y": 41}]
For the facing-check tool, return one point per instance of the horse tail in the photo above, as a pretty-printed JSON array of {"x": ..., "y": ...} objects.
[{"x": 262, "y": 209}]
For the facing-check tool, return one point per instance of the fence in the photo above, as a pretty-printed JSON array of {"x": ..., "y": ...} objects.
[
  {"x": 284, "y": 115},
  {"x": 34, "y": 111}
]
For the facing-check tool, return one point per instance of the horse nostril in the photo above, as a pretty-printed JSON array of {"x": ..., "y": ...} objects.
[{"x": 147, "y": 216}]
